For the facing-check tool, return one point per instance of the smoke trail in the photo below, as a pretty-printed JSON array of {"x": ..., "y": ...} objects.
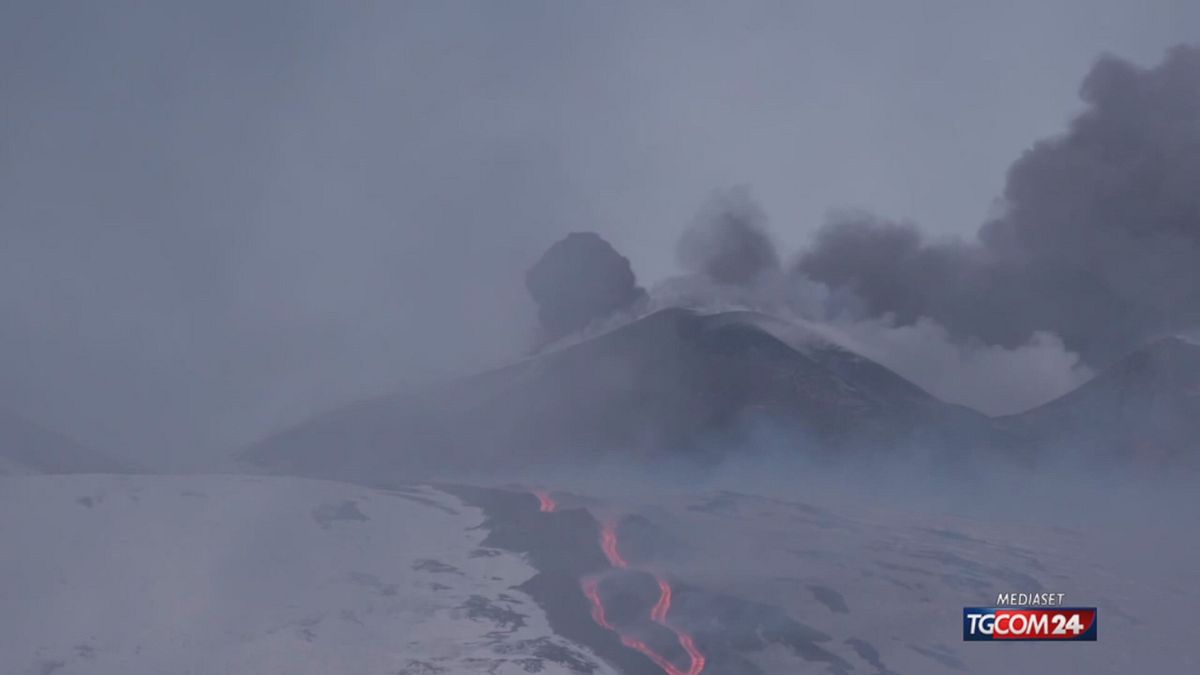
[{"x": 728, "y": 242}]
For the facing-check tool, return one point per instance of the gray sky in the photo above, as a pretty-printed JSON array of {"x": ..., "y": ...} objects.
[{"x": 221, "y": 216}]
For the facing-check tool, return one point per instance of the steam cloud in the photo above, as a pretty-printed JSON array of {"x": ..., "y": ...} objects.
[
  {"x": 1099, "y": 242},
  {"x": 728, "y": 242},
  {"x": 580, "y": 279}
]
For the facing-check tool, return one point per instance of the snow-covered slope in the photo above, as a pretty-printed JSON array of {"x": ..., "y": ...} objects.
[{"x": 257, "y": 575}]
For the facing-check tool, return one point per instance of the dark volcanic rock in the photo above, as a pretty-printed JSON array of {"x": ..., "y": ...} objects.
[
  {"x": 346, "y": 510},
  {"x": 644, "y": 541},
  {"x": 724, "y": 623},
  {"x": 628, "y": 596},
  {"x": 564, "y": 547},
  {"x": 829, "y": 597}
]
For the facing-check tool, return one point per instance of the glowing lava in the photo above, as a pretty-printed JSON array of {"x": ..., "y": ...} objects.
[
  {"x": 592, "y": 591},
  {"x": 608, "y": 542},
  {"x": 658, "y": 613},
  {"x": 546, "y": 503},
  {"x": 591, "y": 588},
  {"x": 689, "y": 646}
]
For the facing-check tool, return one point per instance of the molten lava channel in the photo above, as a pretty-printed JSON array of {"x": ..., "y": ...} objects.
[
  {"x": 658, "y": 614},
  {"x": 609, "y": 543}
]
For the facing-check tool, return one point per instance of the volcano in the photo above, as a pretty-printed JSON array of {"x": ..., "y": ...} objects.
[
  {"x": 1144, "y": 409},
  {"x": 674, "y": 383}
]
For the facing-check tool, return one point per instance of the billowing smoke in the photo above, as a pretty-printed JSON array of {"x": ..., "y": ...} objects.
[
  {"x": 580, "y": 279},
  {"x": 728, "y": 242},
  {"x": 992, "y": 379},
  {"x": 1099, "y": 240},
  {"x": 731, "y": 262},
  {"x": 895, "y": 265}
]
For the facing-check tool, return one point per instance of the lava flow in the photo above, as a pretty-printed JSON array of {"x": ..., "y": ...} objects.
[
  {"x": 608, "y": 542},
  {"x": 546, "y": 503},
  {"x": 592, "y": 591},
  {"x": 658, "y": 614}
]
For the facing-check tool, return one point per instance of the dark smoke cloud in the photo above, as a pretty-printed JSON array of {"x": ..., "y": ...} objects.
[
  {"x": 578, "y": 280},
  {"x": 895, "y": 268},
  {"x": 728, "y": 242},
  {"x": 1099, "y": 241}
]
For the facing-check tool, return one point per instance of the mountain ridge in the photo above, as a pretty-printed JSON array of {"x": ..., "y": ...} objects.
[
  {"x": 28, "y": 447},
  {"x": 676, "y": 381}
]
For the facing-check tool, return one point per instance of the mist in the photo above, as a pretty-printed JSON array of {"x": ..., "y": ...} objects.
[{"x": 220, "y": 219}]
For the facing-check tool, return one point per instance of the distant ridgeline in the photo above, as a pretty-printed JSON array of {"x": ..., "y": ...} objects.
[
  {"x": 27, "y": 448},
  {"x": 681, "y": 383}
]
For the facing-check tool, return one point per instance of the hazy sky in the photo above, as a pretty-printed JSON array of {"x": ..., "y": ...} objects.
[{"x": 219, "y": 216}]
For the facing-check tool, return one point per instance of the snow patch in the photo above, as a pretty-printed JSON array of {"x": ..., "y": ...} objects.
[{"x": 264, "y": 575}]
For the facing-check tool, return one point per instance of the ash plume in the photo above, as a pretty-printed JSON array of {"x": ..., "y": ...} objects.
[
  {"x": 896, "y": 269},
  {"x": 580, "y": 279},
  {"x": 1098, "y": 242},
  {"x": 728, "y": 242}
]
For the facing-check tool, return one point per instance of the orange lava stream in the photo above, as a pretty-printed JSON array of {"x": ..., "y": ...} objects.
[
  {"x": 608, "y": 542},
  {"x": 689, "y": 646},
  {"x": 658, "y": 613},
  {"x": 546, "y": 503},
  {"x": 592, "y": 591}
]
